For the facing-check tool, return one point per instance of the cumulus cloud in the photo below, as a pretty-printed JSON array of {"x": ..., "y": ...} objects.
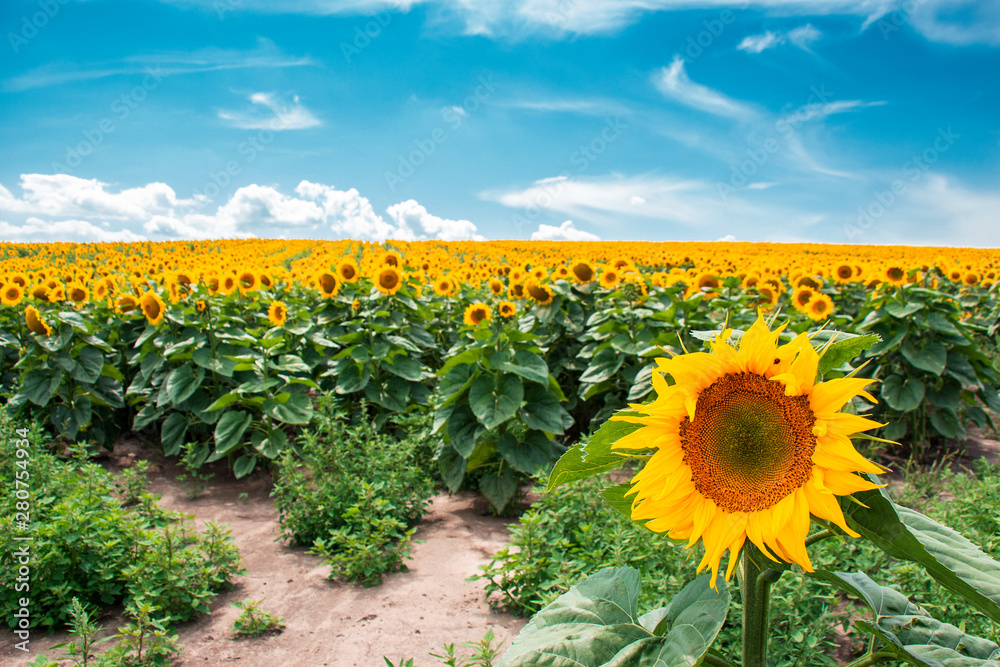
[
  {"x": 675, "y": 84},
  {"x": 567, "y": 231},
  {"x": 68, "y": 208},
  {"x": 283, "y": 115}
]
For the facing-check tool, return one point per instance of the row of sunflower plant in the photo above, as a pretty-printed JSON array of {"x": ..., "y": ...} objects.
[{"x": 517, "y": 356}]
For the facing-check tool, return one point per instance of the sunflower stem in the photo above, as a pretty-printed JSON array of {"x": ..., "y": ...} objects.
[
  {"x": 821, "y": 535},
  {"x": 755, "y": 590},
  {"x": 869, "y": 659}
]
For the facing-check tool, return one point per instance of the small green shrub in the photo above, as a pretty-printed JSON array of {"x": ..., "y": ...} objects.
[
  {"x": 86, "y": 545},
  {"x": 353, "y": 494},
  {"x": 254, "y": 621},
  {"x": 131, "y": 483}
]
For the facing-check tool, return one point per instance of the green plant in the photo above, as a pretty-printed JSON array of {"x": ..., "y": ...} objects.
[
  {"x": 81, "y": 650},
  {"x": 353, "y": 494},
  {"x": 144, "y": 641},
  {"x": 192, "y": 461},
  {"x": 254, "y": 621},
  {"x": 42, "y": 660},
  {"x": 131, "y": 483}
]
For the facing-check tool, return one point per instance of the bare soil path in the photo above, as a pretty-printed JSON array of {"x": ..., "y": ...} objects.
[{"x": 326, "y": 623}]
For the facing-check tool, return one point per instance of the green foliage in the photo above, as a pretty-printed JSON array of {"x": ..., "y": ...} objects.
[
  {"x": 254, "y": 621},
  {"x": 482, "y": 653},
  {"x": 131, "y": 483},
  {"x": 86, "y": 545},
  {"x": 145, "y": 641},
  {"x": 936, "y": 380},
  {"x": 193, "y": 478},
  {"x": 81, "y": 649},
  {"x": 354, "y": 494}
]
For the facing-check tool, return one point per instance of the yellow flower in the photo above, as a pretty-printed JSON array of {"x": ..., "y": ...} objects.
[
  {"x": 78, "y": 294},
  {"x": 11, "y": 294},
  {"x": 819, "y": 307},
  {"x": 35, "y": 322},
  {"x": 388, "y": 280},
  {"x": 496, "y": 286},
  {"x": 507, "y": 309},
  {"x": 328, "y": 284},
  {"x": 347, "y": 269},
  {"x": 583, "y": 273},
  {"x": 747, "y": 446},
  {"x": 126, "y": 303},
  {"x": 277, "y": 314},
  {"x": 153, "y": 307},
  {"x": 610, "y": 278},
  {"x": 538, "y": 293},
  {"x": 476, "y": 313},
  {"x": 200, "y": 305},
  {"x": 355, "y": 304}
]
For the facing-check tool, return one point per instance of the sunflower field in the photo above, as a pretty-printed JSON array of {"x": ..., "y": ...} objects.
[{"x": 518, "y": 349}]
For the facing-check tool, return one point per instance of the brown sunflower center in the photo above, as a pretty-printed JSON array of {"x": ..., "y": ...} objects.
[
  {"x": 388, "y": 279},
  {"x": 749, "y": 445}
]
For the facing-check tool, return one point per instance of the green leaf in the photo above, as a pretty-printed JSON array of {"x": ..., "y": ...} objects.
[
  {"x": 498, "y": 486},
  {"x": 597, "y": 623},
  {"x": 244, "y": 465},
  {"x": 902, "y": 395},
  {"x": 942, "y": 324},
  {"x": 225, "y": 400},
  {"x": 602, "y": 367},
  {"x": 89, "y": 364},
  {"x": 905, "y": 534},
  {"x": 614, "y": 497},
  {"x": 393, "y": 395},
  {"x": 463, "y": 430},
  {"x": 842, "y": 350},
  {"x": 296, "y": 410},
  {"x": 229, "y": 432},
  {"x": 495, "y": 400},
  {"x": 541, "y": 410},
  {"x": 593, "y": 457},
  {"x": 40, "y": 385},
  {"x": 221, "y": 365},
  {"x": 931, "y": 358},
  {"x": 946, "y": 423},
  {"x": 532, "y": 455},
  {"x": 172, "y": 433},
  {"x": 526, "y": 364},
  {"x": 455, "y": 382},
  {"x": 959, "y": 368},
  {"x": 353, "y": 378},
  {"x": 405, "y": 367},
  {"x": 897, "y": 309},
  {"x": 909, "y": 632},
  {"x": 182, "y": 382},
  {"x": 452, "y": 467}
]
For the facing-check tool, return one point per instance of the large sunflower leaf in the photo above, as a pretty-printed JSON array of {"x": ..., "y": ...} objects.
[
  {"x": 954, "y": 561},
  {"x": 843, "y": 348},
  {"x": 909, "y": 632},
  {"x": 595, "y": 456},
  {"x": 596, "y": 623}
]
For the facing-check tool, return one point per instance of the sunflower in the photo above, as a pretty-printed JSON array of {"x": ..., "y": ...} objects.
[
  {"x": 388, "y": 280},
  {"x": 747, "y": 446},
  {"x": 277, "y": 313},
  {"x": 200, "y": 305},
  {"x": 561, "y": 273},
  {"x": 844, "y": 273},
  {"x": 538, "y": 293},
  {"x": 476, "y": 313},
  {"x": 78, "y": 294},
  {"x": 153, "y": 307},
  {"x": 355, "y": 304},
  {"x": 897, "y": 276},
  {"x": 516, "y": 291},
  {"x": 248, "y": 281},
  {"x": 11, "y": 294},
  {"x": 40, "y": 292},
  {"x": 507, "y": 309},
  {"x": 35, "y": 322},
  {"x": 496, "y": 286},
  {"x": 347, "y": 269},
  {"x": 819, "y": 307},
  {"x": 328, "y": 284},
  {"x": 609, "y": 278},
  {"x": 801, "y": 298},
  {"x": 971, "y": 278},
  {"x": 583, "y": 273},
  {"x": 126, "y": 303},
  {"x": 391, "y": 258},
  {"x": 444, "y": 286},
  {"x": 228, "y": 284}
]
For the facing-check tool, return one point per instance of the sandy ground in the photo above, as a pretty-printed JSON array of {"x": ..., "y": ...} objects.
[{"x": 327, "y": 623}]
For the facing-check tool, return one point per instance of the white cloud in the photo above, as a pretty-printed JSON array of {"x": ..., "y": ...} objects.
[
  {"x": 820, "y": 110},
  {"x": 674, "y": 83},
  {"x": 757, "y": 43},
  {"x": 35, "y": 230},
  {"x": 283, "y": 116},
  {"x": 79, "y": 210},
  {"x": 409, "y": 215},
  {"x": 802, "y": 37},
  {"x": 567, "y": 231},
  {"x": 728, "y": 238},
  {"x": 636, "y": 200}
]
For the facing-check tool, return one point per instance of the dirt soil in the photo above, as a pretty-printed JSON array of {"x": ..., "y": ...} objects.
[{"x": 326, "y": 623}]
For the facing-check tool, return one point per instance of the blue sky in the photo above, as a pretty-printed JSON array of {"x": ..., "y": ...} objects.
[{"x": 835, "y": 121}]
